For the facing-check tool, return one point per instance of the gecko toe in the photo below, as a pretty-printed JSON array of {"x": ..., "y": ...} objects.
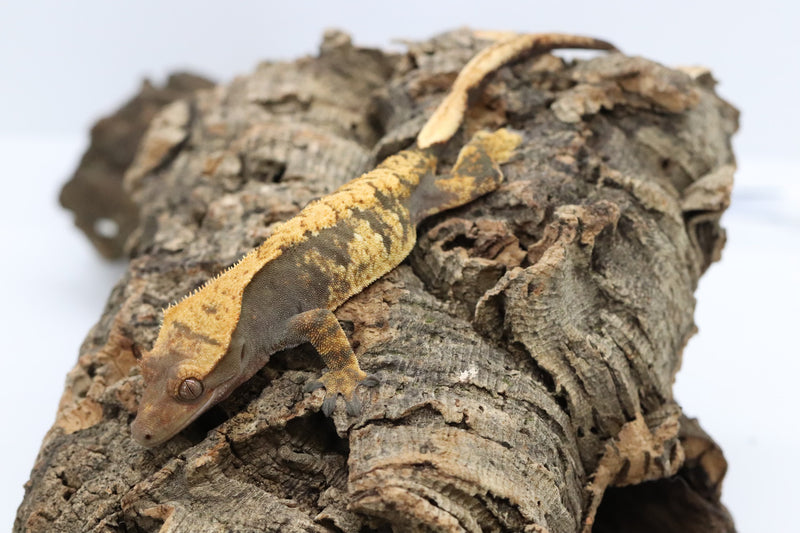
[
  {"x": 311, "y": 386},
  {"x": 329, "y": 404},
  {"x": 342, "y": 381},
  {"x": 370, "y": 381}
]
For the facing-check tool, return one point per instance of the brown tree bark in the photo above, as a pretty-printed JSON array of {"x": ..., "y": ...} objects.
[
  {"x": 526, "y": 351},
  {"x": 94, "y": 193}
]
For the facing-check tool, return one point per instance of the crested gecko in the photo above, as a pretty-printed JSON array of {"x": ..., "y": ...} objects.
[{"x": 219, "y": 336}]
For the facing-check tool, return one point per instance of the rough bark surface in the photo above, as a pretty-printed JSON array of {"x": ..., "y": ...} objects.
[
  {"x": 94, "y": 193},
  {"x": 526, "y": 351}
]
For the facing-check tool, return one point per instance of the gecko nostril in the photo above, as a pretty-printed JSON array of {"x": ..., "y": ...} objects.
[{"x": 148, "y": 437}]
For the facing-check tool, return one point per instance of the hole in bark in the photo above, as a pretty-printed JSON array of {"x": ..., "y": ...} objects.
[
  {"x": 432, "y": 501},
  {"x": 317, "y": 432},
  {"x": 212, "y": 418},
  {"x": 278, "y": 176},
  {"x": 106, "y": 228},
  {"x": 140, "y": 524},
  {"x": 561, "y": 400},
  {"x": 266, "y": 170},
  {"x": 595, "y": 174},
  {"x": 661, "y": 506},
  {"x": 70, "y": 489},
  {"x": 460, "y": 241},
  {"x": 91, "y": 370}
]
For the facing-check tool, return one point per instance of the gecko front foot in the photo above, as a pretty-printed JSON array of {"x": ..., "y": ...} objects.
[{"x": 342, "y": 381}]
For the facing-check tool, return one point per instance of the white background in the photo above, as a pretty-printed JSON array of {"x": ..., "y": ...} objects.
[{"x": 65, "y": 64}]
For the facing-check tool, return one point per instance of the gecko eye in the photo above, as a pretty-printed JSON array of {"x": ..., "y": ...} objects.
[{"x": 190, "y": 389}]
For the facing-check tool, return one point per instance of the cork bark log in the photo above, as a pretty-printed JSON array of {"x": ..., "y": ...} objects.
[
  {"x": 526, "y": 350},
  {"x": 94, "y": 193}
]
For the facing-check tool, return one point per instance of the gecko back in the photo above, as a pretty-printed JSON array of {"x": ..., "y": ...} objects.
[{"x": 283, "y": 293}]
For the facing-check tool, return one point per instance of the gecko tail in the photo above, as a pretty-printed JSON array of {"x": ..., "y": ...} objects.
[
  {"x": 476, "y": 172},
  {"x": 447, "y": 118}
]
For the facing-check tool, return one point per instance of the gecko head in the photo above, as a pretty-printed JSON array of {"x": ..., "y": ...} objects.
[{"x": 177, "y": 390}]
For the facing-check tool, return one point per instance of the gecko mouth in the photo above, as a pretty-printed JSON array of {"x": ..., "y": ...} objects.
[{"x": 154, "y": 426}]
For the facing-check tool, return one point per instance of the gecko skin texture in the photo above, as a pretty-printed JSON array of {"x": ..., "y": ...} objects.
[{"x": 221, "y": 335}]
